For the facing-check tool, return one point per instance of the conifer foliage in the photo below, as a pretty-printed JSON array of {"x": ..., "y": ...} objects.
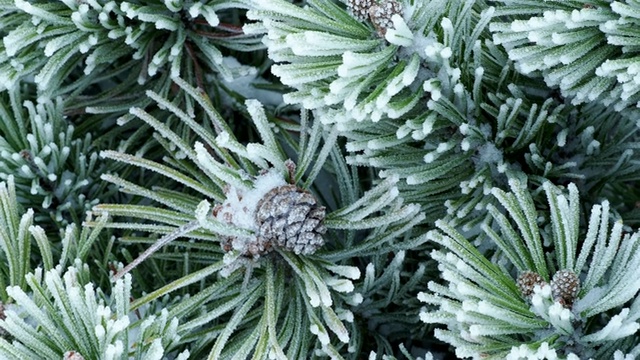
[{"x": 344, "y": 179}]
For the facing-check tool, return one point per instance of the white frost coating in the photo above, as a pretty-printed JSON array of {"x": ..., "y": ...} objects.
[
  {"x": 223, "y": 139},
  {"x": 432, "y": 50},
  {"x": 334, "y": 324},
  {"x": 316, "y": 43},
  {"x": 320, "y": 333},
  {"x": 208, "y": 163},
  {"x": 618, "y": 355},
  {"x": 595, "y": 294},
  {"x": 350, "y": 272},
  {"x": 12, "y": 42},
  {"x": 183, "y": 355},
  {"x": 207, "y": 12},
  {"x": 489, "y": 154},
  {"x": 524, "y": 352},
  {"x": 240, "y": 205},
  {"x": 114, "y": 351},
  {"x": 340, "y": 285},
  {"x": 446, "y": 53},
  {"x": 343, "y": 85},
  {"x": 173, "y": 5},
  {"x": 194, "y": 10},
  {"x": 593, "y": 147},
  {"x": 411, "y": 71},
  {"x": 541, "y": 298},
  {"x": 403, "y": 131},
  {"x": 345, "y": 315},
  {"x": 24, "y": 6},
  {"x": 430, "y": 157},
  {"x": 349, "y": 60},
  {"x": 433, "y": 86},
  {"x": 446, "y": 24},
  {"x": 400, "y": 34},
  {"x": 463, "y": 289},
  {"x": 562, "y": 137},
  {"x": 156, "y": 351},
  {"x": 356, "y": 299},
  {"x": 442, "y": 147},
  {"x": 166, "y": 24},
  {"x": 458, "y": 89},
  {"x": 455, "y": 74},
  {"x": 86, "y": 45},
  {"x": 99, "y": 331},
  {"x": 615, "y": 329},
  {"x": 362, "y": 64},
  {"x": 560, "y": 317},
  {"x": 465, "y": 144}
]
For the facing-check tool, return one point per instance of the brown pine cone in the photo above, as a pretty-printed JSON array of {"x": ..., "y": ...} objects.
[
  {"x": 360, "y": 8},
  {"x": 290, "y": 218},
  {"x": 565, "y": 286},
  {"x": 381, "y": 13},
  {"x": 527, "y": 281}
]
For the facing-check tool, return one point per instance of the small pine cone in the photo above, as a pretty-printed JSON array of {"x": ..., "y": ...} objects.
[
  {"x": 527, "y": 281},
  {"x": 565, "y": 286},
  {"x": 381, "y": 13},
  {"x": 360, "y": 8},
  {"x": 290, "y": 218}
]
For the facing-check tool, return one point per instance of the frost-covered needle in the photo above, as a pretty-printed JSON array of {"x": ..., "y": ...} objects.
[{"x": 181, "y": 231}]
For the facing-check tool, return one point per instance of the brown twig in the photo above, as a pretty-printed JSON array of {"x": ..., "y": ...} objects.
[{"x": 196, "y": 65}]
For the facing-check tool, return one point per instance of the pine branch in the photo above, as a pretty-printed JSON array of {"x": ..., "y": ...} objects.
[
  {"x": 587, "y": 49},
  {"x": 500, "y": 309}
]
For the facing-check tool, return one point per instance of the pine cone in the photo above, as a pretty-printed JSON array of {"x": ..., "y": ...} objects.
[
  {"x": 381, "y": 13},
  {"x": 527, "y": 281},
  {"x": 565, "y": 286},
  {"x": 360, "y": 8},
  {"x": 290, "y": 218}
]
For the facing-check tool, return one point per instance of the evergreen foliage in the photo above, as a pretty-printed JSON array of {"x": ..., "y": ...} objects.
[
  {"x": 344, "y": 179},
  {"x": 488, "y": 316}
]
